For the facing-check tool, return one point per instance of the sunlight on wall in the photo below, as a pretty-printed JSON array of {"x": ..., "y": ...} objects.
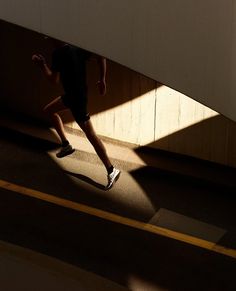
[
  {"x": 176, "y": 111},
  {"x": 132, "y": 121},
  {"x": 150, "y": 117}
]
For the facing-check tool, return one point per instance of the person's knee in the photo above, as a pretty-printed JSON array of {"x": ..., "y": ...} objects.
[{"x": 88, "y": 130}]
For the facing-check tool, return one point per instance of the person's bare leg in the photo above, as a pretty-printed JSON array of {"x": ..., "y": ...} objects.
[
  {"x": 113, "y": 174},
  {"x": 96, "y": 143},
  {"x": 51, "y": 110}
]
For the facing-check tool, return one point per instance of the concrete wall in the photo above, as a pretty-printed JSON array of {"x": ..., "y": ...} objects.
[
  {"x": 136, "y": 108},
  {"x": 187, "y": 45}
]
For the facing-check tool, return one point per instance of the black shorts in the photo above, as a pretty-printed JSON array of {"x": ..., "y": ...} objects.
[{"x": 77, "y": 103}]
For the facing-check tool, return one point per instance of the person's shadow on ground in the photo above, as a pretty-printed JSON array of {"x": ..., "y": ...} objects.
[{"x": 86, "y": 179}]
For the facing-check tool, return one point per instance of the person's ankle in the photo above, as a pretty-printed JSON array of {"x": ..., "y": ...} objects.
[
  {"x": 110, "y": 170},
  {"x": 65, "y": 143}
]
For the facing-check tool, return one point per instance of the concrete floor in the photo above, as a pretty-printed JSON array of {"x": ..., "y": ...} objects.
[
  {"x": 168, "y": 223},
  {"x": 27, "y": 270}
]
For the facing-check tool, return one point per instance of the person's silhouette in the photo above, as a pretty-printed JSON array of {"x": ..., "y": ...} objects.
[{"x": 69, "y": 67}]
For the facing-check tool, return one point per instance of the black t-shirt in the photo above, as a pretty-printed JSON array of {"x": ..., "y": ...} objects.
[{"x": 70, "y": 61}]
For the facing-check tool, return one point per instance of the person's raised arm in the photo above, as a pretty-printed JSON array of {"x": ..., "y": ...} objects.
[{"x": 40, "y": 61}]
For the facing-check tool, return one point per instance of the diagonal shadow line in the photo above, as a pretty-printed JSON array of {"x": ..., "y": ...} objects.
[{"x": 86, "y": 179}]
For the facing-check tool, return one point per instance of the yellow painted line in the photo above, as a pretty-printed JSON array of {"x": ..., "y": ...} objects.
[{"x": 119, "y": 219}]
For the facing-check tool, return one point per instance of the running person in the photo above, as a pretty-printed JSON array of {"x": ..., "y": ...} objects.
[{"x": 69, "y": 67}]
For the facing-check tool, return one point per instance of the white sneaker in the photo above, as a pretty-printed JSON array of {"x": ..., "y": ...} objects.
[
  {"x": 65, "y": 151},
  {"x": 112, "y": 178}
]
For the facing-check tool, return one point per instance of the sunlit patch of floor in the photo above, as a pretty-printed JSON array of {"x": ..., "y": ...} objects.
[
  {"x": 127, "y": 191},
  {"x": 137, "y": 284}
]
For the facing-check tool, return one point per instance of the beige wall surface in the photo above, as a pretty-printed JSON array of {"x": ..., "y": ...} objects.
[
  {"x": 136, "y": 108},
  {"x": 187, "y": 45}
]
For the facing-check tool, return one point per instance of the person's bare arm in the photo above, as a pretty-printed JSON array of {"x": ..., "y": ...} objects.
[
  {"x": 39, "y": 60},
  {"x": 102, "y": 71}
]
